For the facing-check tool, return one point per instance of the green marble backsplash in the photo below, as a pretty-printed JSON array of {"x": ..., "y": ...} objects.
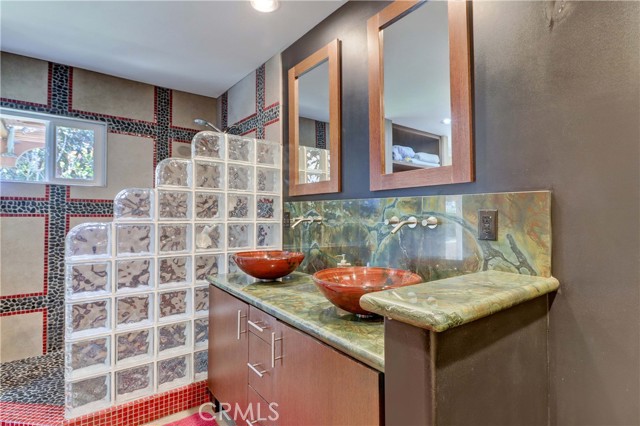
[{"x": 356, "y": 228}]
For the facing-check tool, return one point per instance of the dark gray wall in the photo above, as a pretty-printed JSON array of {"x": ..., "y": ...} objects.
[{"x": 556, "y": 107}]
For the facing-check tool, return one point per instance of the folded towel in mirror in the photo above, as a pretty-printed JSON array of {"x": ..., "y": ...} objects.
[{"x": 430, "y": 158}]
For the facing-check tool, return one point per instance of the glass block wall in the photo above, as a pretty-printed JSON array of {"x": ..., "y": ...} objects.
[{"x": 136, "y": 290}]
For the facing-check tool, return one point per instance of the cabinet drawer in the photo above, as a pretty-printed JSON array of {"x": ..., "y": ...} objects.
[
  {"x": 261, "y": 323},
  {"x": 259, "y": 366},
  {"x": 261, "y": 414}
]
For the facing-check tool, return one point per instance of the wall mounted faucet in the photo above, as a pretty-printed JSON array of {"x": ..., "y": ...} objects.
[
  {"x": 395, "y": 220},
  {"x": 298, "y": 220}
]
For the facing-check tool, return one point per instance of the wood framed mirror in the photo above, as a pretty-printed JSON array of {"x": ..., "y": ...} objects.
[
  {"x": 420, "y": 94},
  {"x": 315, "y": 123}
]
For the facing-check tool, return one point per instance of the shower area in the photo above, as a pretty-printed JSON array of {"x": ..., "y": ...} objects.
[{"x": 135, "y": 293}]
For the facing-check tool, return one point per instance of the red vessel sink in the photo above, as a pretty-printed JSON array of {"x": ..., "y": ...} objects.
[
  {"x": 345, "y": 286},
  {"x": 268, "y": 264}
]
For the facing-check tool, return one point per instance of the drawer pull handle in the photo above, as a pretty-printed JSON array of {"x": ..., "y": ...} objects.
[
  {"x": 273, "y": 349},
  {"x": 256, "y": 326},
  {"x": 255, "y": 370},
  {"x": 240, "y": 316}
]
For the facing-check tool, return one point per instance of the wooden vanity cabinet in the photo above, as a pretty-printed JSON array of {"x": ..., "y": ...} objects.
[
  {"x": 228, "y": 348},
  {"x": 272, "y": 364}
]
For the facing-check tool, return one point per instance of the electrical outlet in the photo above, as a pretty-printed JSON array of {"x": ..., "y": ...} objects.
[
  {"x": 286, "y": 220},
  {"x": 488, "y": 225}
]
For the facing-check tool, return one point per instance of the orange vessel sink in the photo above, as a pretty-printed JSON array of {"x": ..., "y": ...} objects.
[{"x": 268, "y": 264}]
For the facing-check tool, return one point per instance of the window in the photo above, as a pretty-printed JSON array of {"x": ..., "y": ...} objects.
[{"x": 44, "y": 148}]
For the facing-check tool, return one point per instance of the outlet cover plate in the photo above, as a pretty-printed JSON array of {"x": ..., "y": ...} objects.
[{"x": 488, "y": 225}]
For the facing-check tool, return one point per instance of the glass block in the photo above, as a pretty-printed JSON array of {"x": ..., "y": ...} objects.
[
  {"x": 239, "y": 235},
  {"x": 87, "y": 318},
  {"x": 173, "y": 172},
  {"x": 134, "y": 275},
  {"x": 88, "y": 356},
  {"x": 133, "y": 204},
  {"x": 89, "y": 239},
  {"x": 313, "y": 177},
  {"x": 209, "y": 205},
  {"x": 239, "y": 178},
  {"x": 268, "y": 207},
  {"x": 240, "y": 207},
  {"x": 174, "y": 303},
  {"x": 268, "y": 235},
  {"x": 134, "y": 346},
  {"x": 174, "y": 205},
  {"x": 208, "y": 144},
  {"x": 88, "y": 279},
  {"x": 206, "y": 265},
  {"x": 200, "y": 365},
  {"x": 133, "y": 383},
  {"x": 174, "y": 238},
  {"x": 87, "y": 395},
  {"x": 268, "y": 153},
  {"x": 267, "y": 180},
  {"x": 313, "y": 159},
  {"x": 174, "y": 372},
  {"x": 134, "y": 310},
  {"x": 174, "y": 337},
  {"x": 209, "y": 175},
  {"x": 201, "y": 331},
  {"x": 239, "y": 148},
  {"x": 209, "y": 236},
  {"x": 232, "y": 267},
  {"x": 134, "y": 239},
  {"x": 174, "y": 271},
  {"x": 201, "y": 299}
]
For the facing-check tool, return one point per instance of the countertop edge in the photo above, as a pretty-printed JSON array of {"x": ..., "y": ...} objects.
[
  {"x": 378, "y": 304},
  {"x": 365, "y": 357}
]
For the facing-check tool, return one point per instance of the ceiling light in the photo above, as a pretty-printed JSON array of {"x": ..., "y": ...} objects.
[
  {"x": 265, "y": 5},
  {"x": 446, "y": 121}
]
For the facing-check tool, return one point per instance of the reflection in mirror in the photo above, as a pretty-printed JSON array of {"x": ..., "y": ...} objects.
[
  {"x": 417, "y": 101},
  {"x": 314, "y": 123},
  {"x": 420, "y": 94}
]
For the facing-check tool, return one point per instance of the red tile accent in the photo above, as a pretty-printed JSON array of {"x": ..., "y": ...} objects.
[
  {"x": 45, "y": 280},
  {"x": 44, "y": 330},
  {"x": 12, "y": 413}
]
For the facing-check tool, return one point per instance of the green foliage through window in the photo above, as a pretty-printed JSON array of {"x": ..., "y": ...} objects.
[{"x": 74, "y": 153}]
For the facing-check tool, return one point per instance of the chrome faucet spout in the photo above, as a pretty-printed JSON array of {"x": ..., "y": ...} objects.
[
  {"x": 298, "y": 220},
  {"x": 395, "y": 220}
]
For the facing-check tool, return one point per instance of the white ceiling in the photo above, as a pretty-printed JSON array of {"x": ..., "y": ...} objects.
[{"x": 202, "y": 47}]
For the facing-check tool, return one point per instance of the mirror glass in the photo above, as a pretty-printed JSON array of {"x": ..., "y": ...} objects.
[
  {"x": 313, "y": 124},
  {"x": 420, "y": 94},
  {"x": 417, "y": 100}
]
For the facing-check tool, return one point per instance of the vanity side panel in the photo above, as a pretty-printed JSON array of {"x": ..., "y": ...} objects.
[
  {"x": 493, "y": 371},
  {"x": 408, "y": 378}
]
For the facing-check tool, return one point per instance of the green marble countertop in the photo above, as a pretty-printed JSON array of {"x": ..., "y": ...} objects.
[
  {"x": 296, "y": 301},
  {"x": 447, "y": 303}
]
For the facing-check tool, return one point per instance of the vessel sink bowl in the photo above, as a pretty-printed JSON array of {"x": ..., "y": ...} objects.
[
  {"x": 268, "y": 264},
  {"x": 345, "y": 286}
]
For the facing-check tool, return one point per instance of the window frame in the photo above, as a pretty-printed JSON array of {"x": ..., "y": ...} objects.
[{"x": 52, "y": 122}]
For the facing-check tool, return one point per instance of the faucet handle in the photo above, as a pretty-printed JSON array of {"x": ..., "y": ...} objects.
[
  {"x": 394, "y": 220},
  {"x": 430, "y": 222}
]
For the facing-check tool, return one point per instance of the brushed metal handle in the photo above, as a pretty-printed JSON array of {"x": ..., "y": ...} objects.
[
  {"x": 255, "y": 370},
  {"x": 273, "y": 349},
  {"x": 240, "y": 316},
  {"x": 256, "y": 326}
]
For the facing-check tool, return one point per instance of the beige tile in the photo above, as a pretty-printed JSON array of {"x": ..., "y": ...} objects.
[
  {"x": 251, "y": 134},
  {"x": 187, "y": 106},
  {"x": 180, "y": 149},
  {"x": 273, "y": 132},
  {"x": 22, "y": 190},
  {"x": 242, "y": 99},
  {"x": 105, "y": 94},
  {"x": 24, "y": 79},
  {"x": 77, "y": 220},
  {"x": 20, "y": 336},
  {"x": 129, "y": 165},
  {"x": 21, "y": 255},
  {"x": 273, "y": 80}
]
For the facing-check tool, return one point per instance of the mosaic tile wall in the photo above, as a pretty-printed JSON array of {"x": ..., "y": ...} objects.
[
  {"x": 145, "y": 122},
  {"x": 136, "y": 289},
  {"x": 356, "y": 228}
]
